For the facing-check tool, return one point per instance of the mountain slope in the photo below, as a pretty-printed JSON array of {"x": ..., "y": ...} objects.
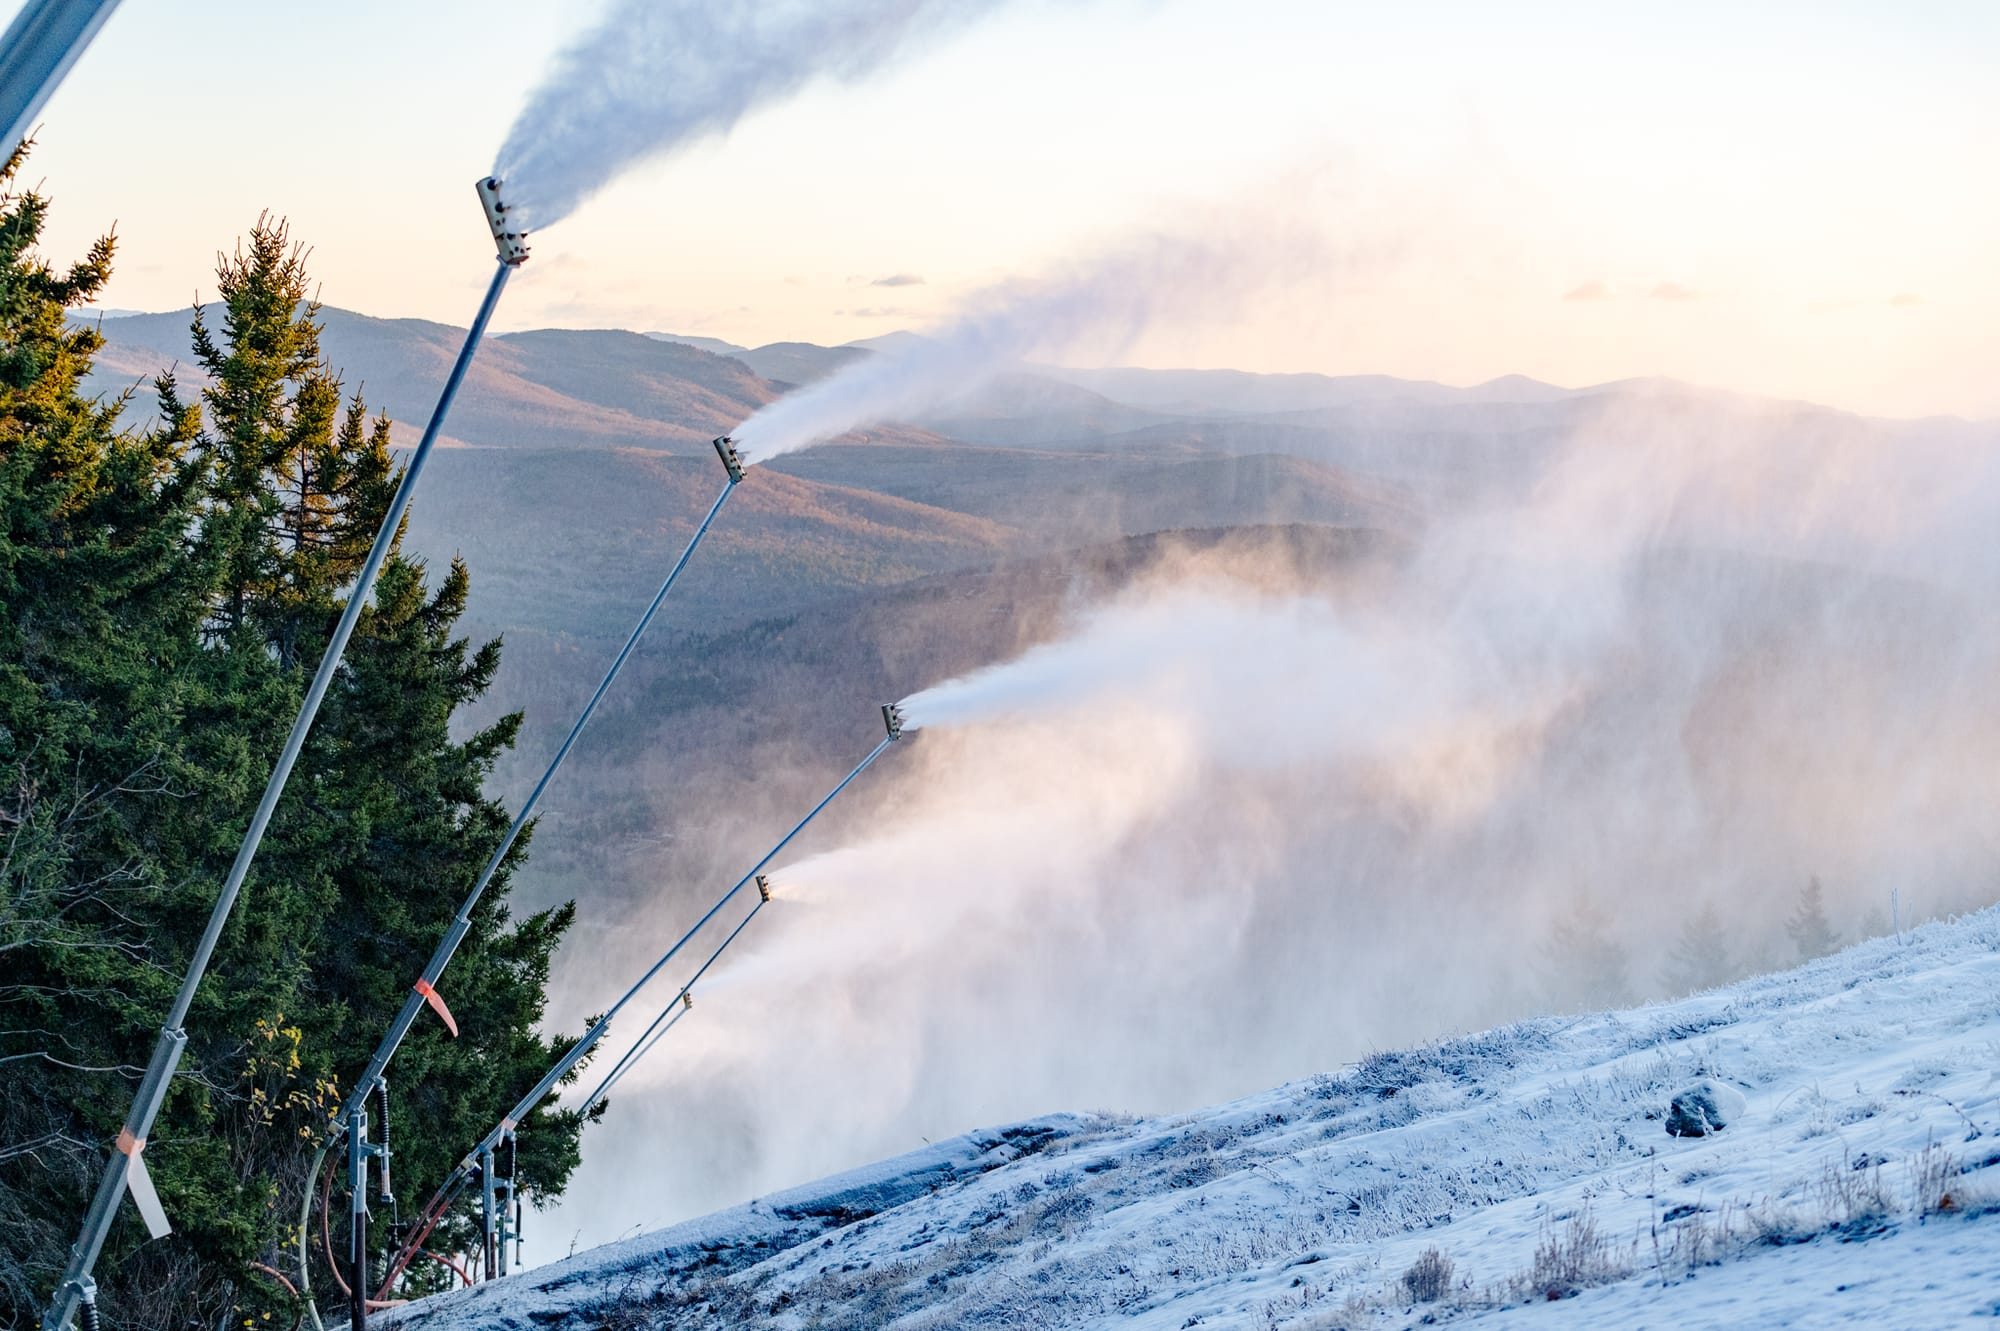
[
  {"x": 560, "y": 388},
  {"x": 1073, "y": 497},
  {"x": 577, "y": 540},
  {"x": 1860, "y": 1185}
]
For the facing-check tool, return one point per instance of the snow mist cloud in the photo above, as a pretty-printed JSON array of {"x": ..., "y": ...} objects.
[
  {"x": 653, "y": 76},
  {"x": 1225, "y": 832},
  {"x": 1098, "y": 307}
]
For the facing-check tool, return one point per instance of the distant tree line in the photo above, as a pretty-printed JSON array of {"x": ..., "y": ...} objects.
[
  {"x": 165, "y": 594},
  {"x": 1584, "y": 965}
]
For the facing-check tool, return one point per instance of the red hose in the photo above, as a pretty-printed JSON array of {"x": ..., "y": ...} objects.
[
  {"x": 440, "y": 1257},
  {"x": 326, "y": 1242},
  {"x": 290, "y": 1289},
  {"x": 433, "y": 1212}
]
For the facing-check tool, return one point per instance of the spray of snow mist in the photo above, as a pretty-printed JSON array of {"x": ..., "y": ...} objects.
[
  {"x": 1250, "y": 817},
  {"x": 652, "y": 77},
  {"x": 1099, "y": 307}
]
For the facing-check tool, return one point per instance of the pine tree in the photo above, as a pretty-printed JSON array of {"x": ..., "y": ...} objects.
[
  {"x": 386, "y": 824},
  {"x": 1699, "y": 958},
  {"x": 163, "y": 599},
  {"x": 112, "y": 779},
  {"x": 1584, "y": 965},
  {"x": 1810, "y": 931}
]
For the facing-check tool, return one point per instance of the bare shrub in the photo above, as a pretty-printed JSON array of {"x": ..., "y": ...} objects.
[
  {"x": 1851, "y": 1197},
  {"x": 1429, "y": 1277},
  {"x": 1570, "y": 1259},
  {"x": 1700, "y": 1238},
  {"x": 1934, "y": 1183}
]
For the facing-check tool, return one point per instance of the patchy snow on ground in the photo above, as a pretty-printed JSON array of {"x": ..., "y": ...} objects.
[{"x": 1522, "y": 1177}]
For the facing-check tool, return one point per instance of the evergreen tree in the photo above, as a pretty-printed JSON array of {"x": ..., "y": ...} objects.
[
  {"x": 163, "y": 600},
  {"x": 115, "y": 773},
  {"x": 1699, "y": 958},
  {"x": 1584, "y": 965},
  {"x": 1810, "y": 931},
  {"x": 386, "y": 825}
]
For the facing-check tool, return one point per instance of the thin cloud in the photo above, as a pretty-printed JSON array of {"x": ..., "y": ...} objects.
[
  {"x": 876, "y": 312},
  {"x": 1591, "y": 290},
  {"x": 1674, "y": 291},
  {"x": 899, "y": 280},
  {"x": 1905, "y": 299}
]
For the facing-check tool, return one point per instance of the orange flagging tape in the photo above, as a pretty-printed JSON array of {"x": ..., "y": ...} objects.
[
  {"x": 130, "y": 1145},
  {"x": 437, "y": 1005}
]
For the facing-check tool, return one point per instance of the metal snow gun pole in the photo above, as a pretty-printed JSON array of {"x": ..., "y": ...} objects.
[
  {"x": 40, "y": 45},
  {"x": 124, "y": 1167},
  {"x": 682, "y": 1002},
  {"x": 353, "y": 1117}
]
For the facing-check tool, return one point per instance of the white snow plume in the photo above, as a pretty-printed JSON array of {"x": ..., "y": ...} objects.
[
  {"x": 1218, "y": 835},
  {"x": 652, "y": 76},
  {"x": 1251, "y": 676},
  {"x": 1098, "y": 307}
]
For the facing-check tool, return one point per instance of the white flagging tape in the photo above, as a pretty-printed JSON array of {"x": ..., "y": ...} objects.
[{"x": 144, "y": 1195}]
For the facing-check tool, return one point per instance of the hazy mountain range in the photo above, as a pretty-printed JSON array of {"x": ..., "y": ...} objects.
[
  {"x": 577, "y": 459},
  {"x": 577, "y": 462}
]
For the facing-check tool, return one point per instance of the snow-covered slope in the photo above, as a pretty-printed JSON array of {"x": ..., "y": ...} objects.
[{"x": 1861, "y": 1186}]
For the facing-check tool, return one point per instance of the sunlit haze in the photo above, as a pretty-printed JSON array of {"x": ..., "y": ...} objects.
[{"x": 1796, "y": 201}]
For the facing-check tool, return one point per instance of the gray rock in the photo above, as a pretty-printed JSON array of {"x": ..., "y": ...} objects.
[{"x": 1705, "y": 1107}]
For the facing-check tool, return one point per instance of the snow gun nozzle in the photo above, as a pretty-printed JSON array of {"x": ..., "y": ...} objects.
[
  {"x": 732, "y": 462},
  {"x": 892, "y": 720},
  {"x": 508, "y": 238},
  {"x": 764, "y": 888}
]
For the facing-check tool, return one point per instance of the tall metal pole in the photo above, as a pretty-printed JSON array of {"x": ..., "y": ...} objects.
[
  {"x": 590, "y": 1037},
  {"x": 424, "y": 991},
  {"x": 670, "y": 1015},
  {"x": 518, "y": 1114},
  {"x": 124, "y": 1166},
  {"x": 39, "y": 47},
  {"x": 684, "y": 1000},
  {"x": 357, "y": 1223}
]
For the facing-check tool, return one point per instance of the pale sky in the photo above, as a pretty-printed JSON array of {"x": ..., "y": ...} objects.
[{"x": 1794, "y": 199}]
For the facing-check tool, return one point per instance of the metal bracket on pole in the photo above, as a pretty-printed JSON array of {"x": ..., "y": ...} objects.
[{"x": 86, "y": 1292}]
